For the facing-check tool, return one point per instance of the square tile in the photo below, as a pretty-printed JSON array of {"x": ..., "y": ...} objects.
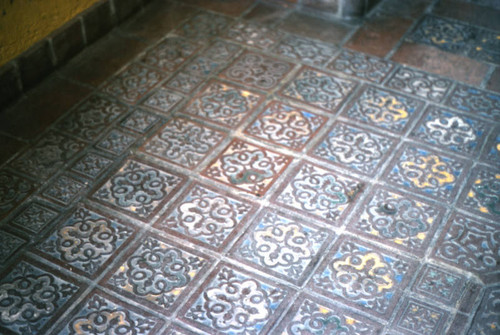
[
  {"x": 416, "y": 317},
  {"x": 183, "y": 82},
  {"x": 257, "y": 70},
  {"x": 397, "y": 220},
  {"x": 491, "y": 152},
  {"x": 170, "y": 53},
  {"x": 232, "y": 301},
  {"x": 157, "y": 274},
  {"x": 223, "y": 104},
  {"x": 486, "y": 47},
  {"x": 475, "y": 101},
  {"x": 482, "y": 193},
  {"x": 486, "y": 320},
  {"x": 419, "y": 83},
  {"x": 162, "y": 100},
  {"x": 451, "y": 131},
  {"x": 324, "y": 194},
  {"x": 9, "y": 244},
  {"x": 309, "y": 315},
  {"x": 134, "y": 82},
  {"x": 361, "y": 66},
  {"x": 86, "y": 242},
  {"x": 91, "y": 165},
  {"x": 13, "y": 190},
  {"x": 319, "y": 89},
  {"x": 203, "y": 26},
  {"x": 173, "y": 329},
  {"x": 116, "y": 142},
  {"x": 354, "y": 148},
  {"x": 470, "y": 244},
  {"x": 282, "y": 246},
  {"x": 139, "y": 121},
  {"x": 425, "y": 171},
  {"x": 254, "y": 34},
  {"x": 183, "y": 142},
  {"x": 105, "y": 314},
  {"x": 212, "y": 59},
  {"x": 206, "y": 216},
  {"x": 64, "y": 190},
  {"x": 34, "y": 217},
  {"x": 138, "y": 189},
  {"x": 305, "y": 50},
  {"x": 363, "y": 276},
  {"x": 286, "y": 125},
  {"x": 383, "y": 109},
  {"x": 247, "y": 167}
]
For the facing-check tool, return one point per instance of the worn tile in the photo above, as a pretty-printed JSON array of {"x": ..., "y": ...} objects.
[
  {"x": 486, "y": 47},
  {"x": 475, "y": 101},
  {"x": 86, "y": 242},
  {"x": 140, "y": 121},
  {"x": 98, "y": 20},
  {"x": 224, "y": 104},
  {"x": 34, "y": 217},
  {"x": 470, "y": 12},
  {"x": 173, "y": 329},
  {"x": 268, "y": 13},
  {"x": 170, "y": 53},
  {"x": 305, "y": 50},
  {"x": 416, "y": 317},
  {"x": 9, "y": 147},
  {"x": 363, "y": 276},
  {"x": 282, "y": 246},
  {"x": 206, "y": 216},
  {"x": 138, "y": 189},
  {"x": 491, "y": 152},
  {"x": 9, "y": 244},
  {"x": 318, "y": 89},
  {"x": 398, "y": 220},
  {"x": 115, "y": 142},
  {"x": 212, "y": 59},
  {"x": 254, "y": 306},
  {"x": 64, "y": 190},
  {"x": 183, "y": 142},
  {"x": 354, "y": 148},
  {"x": 91, "y": 165},
  {"x": 432, "y": 174},
  {"x": 309, "y": 315},
  {"x": 35, "y": 63},
  {"x": 162, "y": 100},
  {"x": 324, "y": 194},
  {"x": 203, "y": 26},
  {"x": 470, "y": 244},
  {"x": 361, "y": 66},
  {"x": 397, "y": 8},
  {"x": 257, "y": 70},
  {"x": 247, "y": 167},
  {"x": 134, "y": 82},
  {"x": 487, "y": 318},
  {"x": 494, "y": 81},
  {"x": 13, "y": 190},
  {"x": 254, "y": 34},
  {"x": 451, "y": 131},
  {"x": 482, "y": 193},
  {"x": 67, "y": 41},
  {"x": 228, "y": 7},
  {"x": 285, "y": 125},
  {"x": 183, "y": 82},
  {"x": 419, "y": 83}
]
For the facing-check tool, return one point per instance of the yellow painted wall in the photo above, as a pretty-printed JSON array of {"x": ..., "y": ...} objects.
[{"x": 24, "y": 22}]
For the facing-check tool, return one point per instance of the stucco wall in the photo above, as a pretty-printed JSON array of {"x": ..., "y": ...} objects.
[{"x": 24, "y": 22}]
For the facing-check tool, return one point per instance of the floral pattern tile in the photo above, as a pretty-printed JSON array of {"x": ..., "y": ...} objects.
[
  {"x": 206, "y": 216},
  {"x": 91, "y": 165},
  {"x": 183, "y": 142},
  {"x": 162, "y": 100},
  {"x": 487, "y": 319},
  {"x": 183, "y": 82},
  {"x": 305, "y": 50},
  {"x": 324, "y": 194},
  {"x": 286, "y": 125},
  {"x": 491, "y": 152},
  {"x": 213, "y": 59},
  {"x": 247, "y": 167},
  {"x": 254, "y": 34},
  {"x": 170, "y": 53},
  {"x": 116, "y": 142},
  {"x": 475, "y": 101},
  {"x": 9, "y": 244},
  {"x": 319, "y": 89},
  {"x": 416, "y": 317},
  {"x": 13, "y": 190},
  {"x": 354, "y": 148},
  {"x": 361, "y": 66},
  {"x": 203, "y": 26},
  {"x": 34, "y": 217},
  {"x": 140, "y": 121},
  {"x": 64, "y": 190}
]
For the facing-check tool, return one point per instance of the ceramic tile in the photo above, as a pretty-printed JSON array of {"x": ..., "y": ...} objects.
[
  {"x": 361, "y": 66},
  {"x": 9, "y": 244},
  {"x": 486, "y": 46},
  {"x": 13, "y": 190},
  {"x": 162, "y": 100},
  {"x": 491, "y": 152},
  {"x": 213, "y": 59},
  {"x": 34, "y": 217},
  {"x": 116, "y": 142},
  {"x": 91, "y": 165},
  {"x": 254, "y": 34},
  {"x": 416, "y": 317},
  {"x": 183, "y": 82},
  {"x": 203, "y": 26},
  {"x": 475, "y": 101},
  {"x": 170, "y": 53},
  {"x": 64, "y": 190},
  {"x": 486, "y": 320},
  {"x": 305, "y": 50},
  {"x": 139, "y": 121}
]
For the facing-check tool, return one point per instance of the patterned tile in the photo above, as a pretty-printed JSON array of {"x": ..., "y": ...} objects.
[
  {"x": 103, "y": 314},
  {"x": 354, "y": 148},
  {"x": 85, "y": 242},
  {"x": 32, "y": 297},
  {"x": 491, "y": 153},
  {"x": 223, "y": 104},
  {"x": 203, "y": 26},
  {"x": 139, "y": 121},
  {"x": 206, "y": 216},
  {"x": 383, "y": 109},
  {"x": 212, "y": 59},
  {"x": 134, "y": 82},
  {"x": 116, "y": 142},
  {"x": 92, "y": 117},
  {"x": 34, "y": 217},
  {"x": 9, "y": 244},
  {"x": 183, "y": 142},
  {"x": 416, "y": 317},
  {"x": 282, "y": 246},
  {"x": 47, "y": 156},
  {"x": 451, "y": 131},
  {"x": 162, "y": 100},
  {"x": 471, "y": 245},
  {"x": 398, "y": 220},
  {"x": 305, "y": 50},
  {"x": 157, "y": 274},
  {"x": 363, "y": 276},
  {"x": 231, "y": 301},
  {"x": 91, "y": 165},
  {"x": 286, "y": 125},
  {"x": 247, "y": 167},
  {"x": 419, "y": 83},
  {"x": 170, "y": 53},
  {"x": 13, "y": 190},
  {"x": 173, "y": 329},
  {"x": 476, "y": 101},
  {"x": 254, "y": 34},
  {"x": 64, "y": 190},
  {"x": 361, "y": 66},
  {"x": 324, "y": 194},
  {"x": 486, "y": 47},
  {"x": 257, "y": 70},
  {"x": 310, "y": 316},
  {"x": 427, "y": 172},
  {"x": 319, "y": 89},
  {"x": 482, "y": 193},
  {"x": 138, "y": 189},
  {"x": 183, "y": 82},
  {"x": 486, "y": 321}
]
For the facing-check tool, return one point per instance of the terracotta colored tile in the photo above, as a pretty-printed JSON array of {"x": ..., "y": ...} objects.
[
  {"x": 469, "y": 12},
  {"x": 266, "y": 13},
  {"x": 8, "y": 147},
  {"x": 30, "y": 116},
  {"x": 398, "y": 8},
  {"x": 494, "y": 82},
  {"x": 227, "y": 7},
  {"x": 440, "y": 62},
  {"x": 380, "y": 36}
]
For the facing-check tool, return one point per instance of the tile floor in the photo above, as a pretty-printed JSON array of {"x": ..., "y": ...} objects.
[{"x": 215, "y": 167}]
